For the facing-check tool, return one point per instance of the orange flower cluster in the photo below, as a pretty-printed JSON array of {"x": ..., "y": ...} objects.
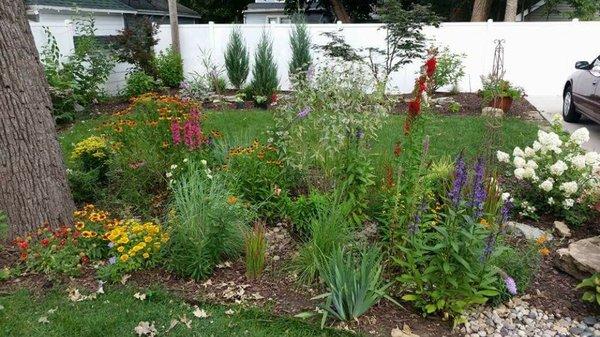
[
  {"x": 543, "y": 250},
  {"x": 262, "y": 152}
]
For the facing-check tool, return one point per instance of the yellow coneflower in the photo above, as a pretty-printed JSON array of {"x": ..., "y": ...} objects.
[
  {"x": 544, "y": 251},
  {"x": 79, "y": 225},
  {"x": 232, "y": 199},
  {"x": 542, "y": 239}
]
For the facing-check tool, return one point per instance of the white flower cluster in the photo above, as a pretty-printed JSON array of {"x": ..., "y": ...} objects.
[{"x": 556, "y": 167}]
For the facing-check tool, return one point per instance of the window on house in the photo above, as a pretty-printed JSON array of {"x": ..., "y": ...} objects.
[
  {"x": 272, "y": 19},
  {"x": 286, "y": 20}
]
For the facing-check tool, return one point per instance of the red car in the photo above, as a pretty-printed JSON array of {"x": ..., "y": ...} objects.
[{"x": 581, "y": 95}]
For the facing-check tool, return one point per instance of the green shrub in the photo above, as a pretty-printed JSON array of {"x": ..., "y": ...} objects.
[
  {"x": 300, "y": 45},
  {"x": 138, "y": 82},
  {"x": 304, "y": 210},
  {"x": 522, "y": 264},
  {"x": 498, "y": 88},
  {"x": 259, "y": 177},
  {"x": 264, "y": 73},
  {"x": 169, "y": 66},
  {"x": 329, "y": 230},
  {"x": 256, "y": 248},
  {"x": 196, "y": 88},
  {"x": 352, "y": 289},
  {"x": 207, "y": 223},
  {"x": 591, "y": 287},
  {"x": 237, "y": 59},
  {"x": 455, "y": 107},
  {"x": 449, "y": 70}
]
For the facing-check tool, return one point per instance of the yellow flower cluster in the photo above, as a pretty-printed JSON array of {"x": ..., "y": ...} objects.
[
  {"x": 262, "y": 152},
  {"x": 135, "y": 240},
  {"x": 95, "y": 146}
]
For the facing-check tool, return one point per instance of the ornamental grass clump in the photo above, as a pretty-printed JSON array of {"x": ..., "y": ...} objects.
[
  {"x": 206, "y": 225},
  {"x": 256, "y": 249},
  {"x": 554, "y": 175}
]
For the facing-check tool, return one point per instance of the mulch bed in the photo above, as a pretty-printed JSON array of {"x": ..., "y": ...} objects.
[{"x": 471, "y": 105}]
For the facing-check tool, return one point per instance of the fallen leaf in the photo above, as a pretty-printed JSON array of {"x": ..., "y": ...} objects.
[
  {"x": 43, "y": 320},
  {"x": 139, "y": 296},
  {"x": 125, "y": 278},
  {"x": 207, "y": 283},
  {"x": 257, "y": 296},
  {"x": 76, "y": 296},
  {"x": 229, "y": 312},
  {"x": 145, "y": 329},
  {"x": 188, "y": 322},
  {"x": 200, "y": 313},
  {"x": 51, "y": 311},
  {"x": 100, "y": 287}
]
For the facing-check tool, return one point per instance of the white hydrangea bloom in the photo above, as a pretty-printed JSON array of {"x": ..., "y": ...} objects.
[
  {"x": 505, "y": 196},
  {"x": 529, "y": 173},
  {"x": 556, "y": 119},
  {"x": 536, "y": 146},
  {"x": 532, "y": 164},
  {"x": 592, "y": 158},
  {"x": 517, "y": 152},
  {"x": 549, "y": 142},
  {"x": 578, "y": 161},
  {"x": 519, "y": 172},
  {"x": 503, "y": 157},
  {"x": 547, "y": 185},
  {"x": 550, "y": 201},
  {"x": 568, "y": 203},
  {"x": 569, "y": 188},
  {"x": 580, "y": 136},
  {"x": 558, "y": 168},
  {"x": 519, "y": 162},
  {"x": 529, "y": 152}
]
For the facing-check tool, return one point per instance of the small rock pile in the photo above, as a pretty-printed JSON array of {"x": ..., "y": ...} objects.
[{"x": 517, "y": 318}]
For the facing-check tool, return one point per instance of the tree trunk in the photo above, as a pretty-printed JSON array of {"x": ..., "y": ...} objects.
[
  {"x": 174, "y": 21},
  {"x": 481, "y": 9},
  {"x": 340, "y": 11},
  {"x": 33, "y": 182},
  {"x": 510, "y": 15}
]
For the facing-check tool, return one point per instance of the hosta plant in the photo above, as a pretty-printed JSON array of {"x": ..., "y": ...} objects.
[
  {"x": 555, "y": 175},
  {"x": 591, "y": 287}
]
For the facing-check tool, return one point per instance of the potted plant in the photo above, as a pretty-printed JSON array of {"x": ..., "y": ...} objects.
[
  {"x": 239, "y": 101},
  {"x": 499, "y": 93}
]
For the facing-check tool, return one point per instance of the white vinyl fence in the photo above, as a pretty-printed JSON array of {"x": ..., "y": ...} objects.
[{"x": 538, "y": 55}]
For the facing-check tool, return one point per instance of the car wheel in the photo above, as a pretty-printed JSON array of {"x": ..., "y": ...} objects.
[{"x": 570, "y": 114}]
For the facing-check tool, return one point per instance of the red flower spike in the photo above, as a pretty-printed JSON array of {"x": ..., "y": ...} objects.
[{"x": 430, "y": 65}]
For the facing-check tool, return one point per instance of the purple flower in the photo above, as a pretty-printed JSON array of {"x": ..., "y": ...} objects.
[
  {"x": 479, "y": 192},
  {"x": 112, "y": 260},
  {"x": 505, "y": 211},
  {"x": 490, "y": 242},
  {"x": 460, "y": 178},
  {"x": 511, "y": 286},
  {"x": 110, "y": 245},
  {"x": 304, "y": 112},
  {"x": 359, "y": 134},
  {"x": 310, "y": 72}
]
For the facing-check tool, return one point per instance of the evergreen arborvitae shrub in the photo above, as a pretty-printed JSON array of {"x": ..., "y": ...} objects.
[
  {"x": 300, "y": 44},
  {"x": 264, "y": 81},
  {"x": 237, "y": 59}
]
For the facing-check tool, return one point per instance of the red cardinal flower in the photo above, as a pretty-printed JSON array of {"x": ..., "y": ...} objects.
[
  {"x": 430, "y": 66},
  {"x": 45, "y": 242},
  {"x": 422, "y": 86},
  {"x": 23, "y": 245},
  {"x": 414, "y": 107}
]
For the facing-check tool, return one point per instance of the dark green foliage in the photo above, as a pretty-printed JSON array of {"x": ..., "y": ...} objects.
[
  {"x": 304, "y": 210},
  {"x": 591, "y": 287},
  {"x": 237, "y": 59},
  {"x": 358, "y": 10},
  {"x": 219, "y": 11},
  {"x": 169, "y": 66},
  {"x": 264, "y": 74},
  {"x": 135, "y": 45},
  {"x": 138, "y": 82},
  {"x": 300, "y": 44}
]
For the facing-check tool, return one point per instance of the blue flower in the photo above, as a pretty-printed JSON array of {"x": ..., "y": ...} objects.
[
  {"x": 112, "y": 260},
  {"x": 304, "y": 112},
  {"x": 460, "y": 178},
  {"x": 479, "y": 192},
  {"x": 511, "y": 285},
  {"x": 110, "y": 245}
]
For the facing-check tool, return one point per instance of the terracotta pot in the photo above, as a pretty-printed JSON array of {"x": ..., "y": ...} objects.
[{"x": 503, "y": 103}]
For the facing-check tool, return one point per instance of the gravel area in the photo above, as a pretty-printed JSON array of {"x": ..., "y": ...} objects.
[{"x": 520, "y": 319}]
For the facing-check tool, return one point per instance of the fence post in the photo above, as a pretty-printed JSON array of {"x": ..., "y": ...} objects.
[{"x": 211, "y": 35}]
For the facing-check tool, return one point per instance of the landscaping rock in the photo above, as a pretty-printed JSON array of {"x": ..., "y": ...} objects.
[
  {"x": 442, "y": 100},
  {"x": 519, "y": 319},
  {"x": 529, "y": 232},
  {"x": 492, "y": 112},
  {"x": 581, "y": 258},
  {"x": 562, "y": 229}
]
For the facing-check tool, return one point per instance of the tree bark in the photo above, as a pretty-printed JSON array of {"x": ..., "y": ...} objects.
[
  {"x": 33, "y": 183},
  {"x": 481, "y": 9},
  {"x": 340, "y": 11},
  {"x": 510, "y": 15}
]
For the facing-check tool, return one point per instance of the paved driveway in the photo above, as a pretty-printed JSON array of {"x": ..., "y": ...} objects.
[{"x": 551, "y": 105}]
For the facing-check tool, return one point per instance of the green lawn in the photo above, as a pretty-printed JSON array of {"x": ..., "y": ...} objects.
[
  {"x": 117, "y": 313},
  {"x": 448, "y": 134}
]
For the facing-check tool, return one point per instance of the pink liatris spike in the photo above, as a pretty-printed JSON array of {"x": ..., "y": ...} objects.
[{"x": 176, "y": 132}]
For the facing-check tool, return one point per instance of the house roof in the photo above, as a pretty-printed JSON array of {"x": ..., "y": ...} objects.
[
  {"x": 158, "y": 7},
  {"x": 148, "y": 7}
]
